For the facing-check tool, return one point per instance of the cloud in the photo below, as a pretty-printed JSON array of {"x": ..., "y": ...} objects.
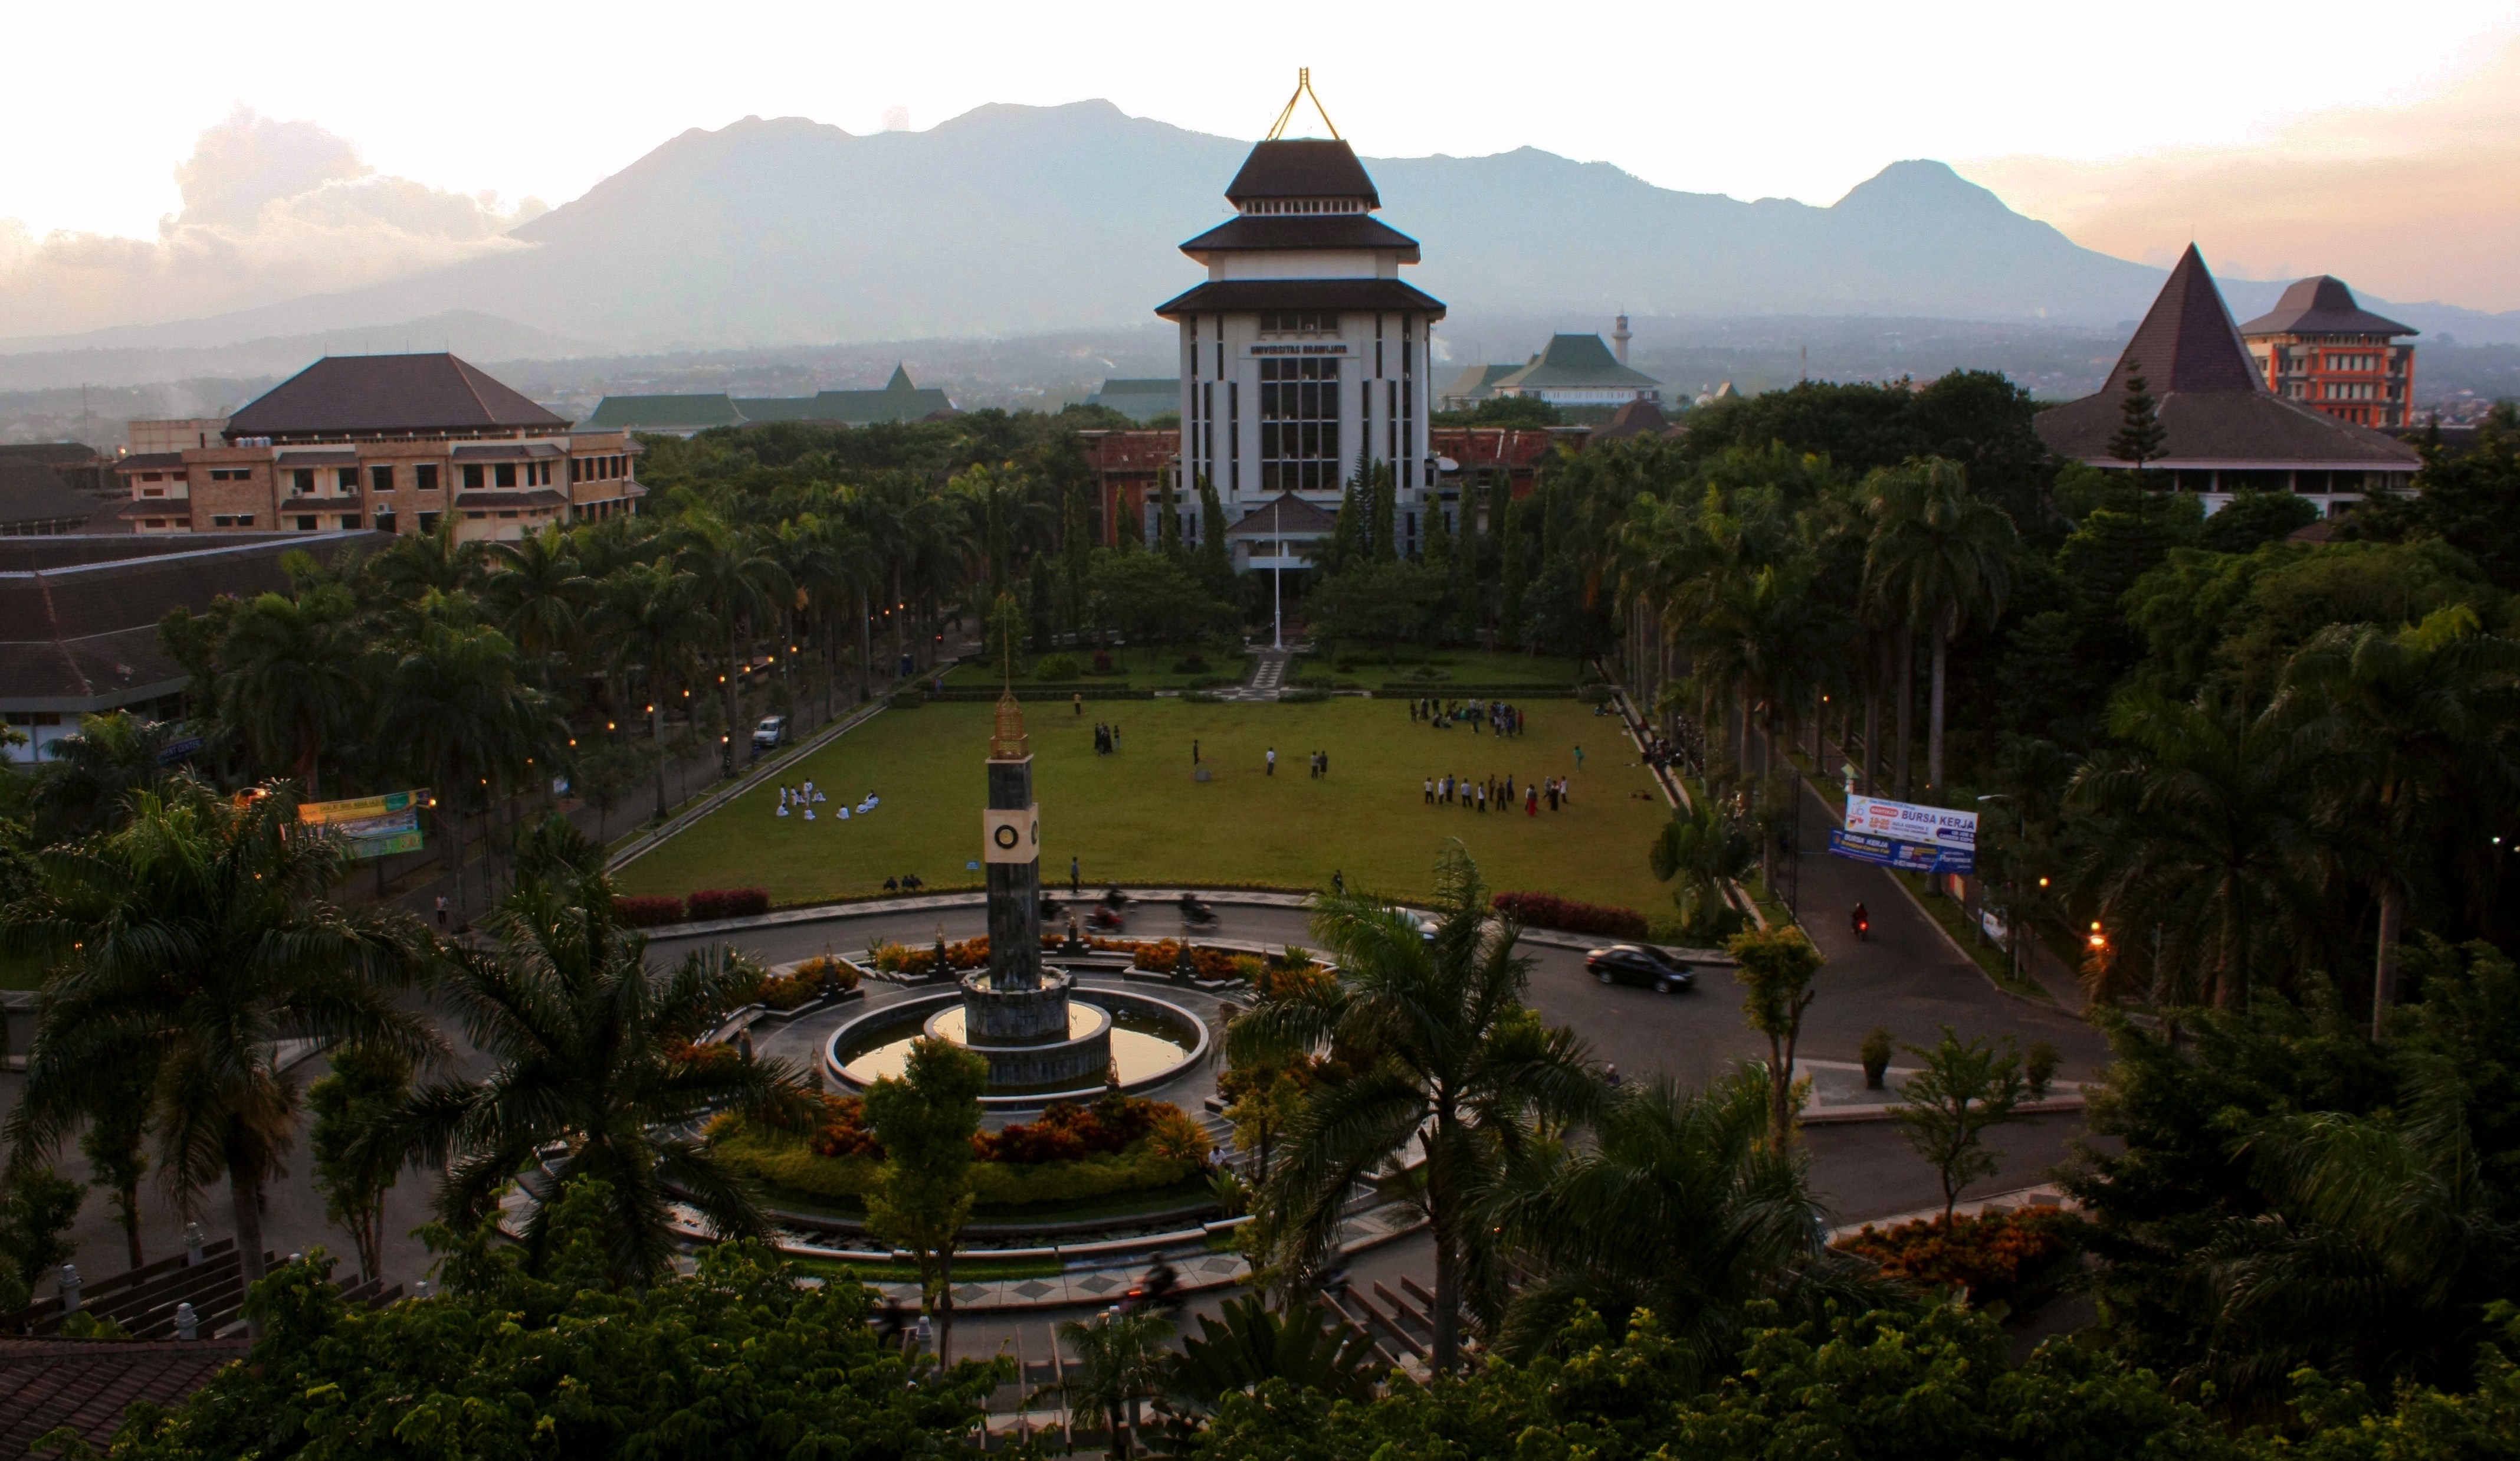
[
  {"x": 272, "y": 210},
  {"x": 2419, "y": 201}
]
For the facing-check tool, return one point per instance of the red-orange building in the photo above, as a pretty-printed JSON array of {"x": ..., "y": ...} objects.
[{"x": 2322, "y": 349}]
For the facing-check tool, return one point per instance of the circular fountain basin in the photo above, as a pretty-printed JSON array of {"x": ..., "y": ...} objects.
[{"x": 1150, "y": 1040}]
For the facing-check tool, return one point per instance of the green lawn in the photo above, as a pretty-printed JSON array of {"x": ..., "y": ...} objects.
[{"x": 1140, "y": 816}]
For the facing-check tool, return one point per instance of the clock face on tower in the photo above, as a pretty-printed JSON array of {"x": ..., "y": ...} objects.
[{"x": 1010, "y": 836}]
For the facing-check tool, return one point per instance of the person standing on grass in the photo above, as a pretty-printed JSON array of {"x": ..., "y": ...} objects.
[
  {"x": 1430, "y": 791},
  {"x": 1080, "y": 704},
  {"x": 1531, "y": 801},
  {"x": 1193, "y": 751},
  {"x": 1073, "y": 879},
  {"x": 1272, "y": 762},
  {"x": 1579, "y": 758},
  {"x": 1325, "y": 764},
  {"x": 1115, "y": 738}
]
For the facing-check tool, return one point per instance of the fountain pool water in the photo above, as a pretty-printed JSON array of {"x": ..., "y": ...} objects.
[{"x": 1150, "y": 1040}]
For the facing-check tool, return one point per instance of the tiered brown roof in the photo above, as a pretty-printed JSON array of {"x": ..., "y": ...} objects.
[
  {"x": 1302, "y": 167},
  {"x": 387, "y": 396},
  {"x": 2323, "y": 305},
  {"x": 2214, "y": 406}
]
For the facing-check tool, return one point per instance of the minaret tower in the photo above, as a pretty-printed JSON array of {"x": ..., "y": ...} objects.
[{"x": 1011, "y": 850}]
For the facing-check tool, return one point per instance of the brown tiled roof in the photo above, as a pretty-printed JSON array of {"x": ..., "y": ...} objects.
[
  {"x": 510, "y": 451},
  {"x": 87, "y": 1384},
  {"x": 2186, "y": 341},
  {"x": 30, "y": 492},
  {"x": 1284, "y": 516},
  {"x": 1637, "y": 418},
  {"x": 2228, "y": 428},
  {"x": 2323, "y": 305},
  {"x": 151, "y": 461},
  {"x": 1303, "y": 231},
  {"x": 1235, "y": 296},
  {"x": 2214, "y": 406},
  {"x": 1302, "y": 167},
  {"x": 84, "y": 636},
  {"x": 1518, "y": 448},
  {"x": 387, "y": 396}
]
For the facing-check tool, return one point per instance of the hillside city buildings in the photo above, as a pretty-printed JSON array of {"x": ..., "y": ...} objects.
[
  {"x": 1574, "y": 371},
  {"x": 2319, "y": 347},
  {"x": 384, "y": 443},
  {"x": 689, "y": 414}
]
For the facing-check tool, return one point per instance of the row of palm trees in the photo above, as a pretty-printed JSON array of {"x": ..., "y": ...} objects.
[
  {"x": 194, "y": 941},
  {"x": 1542, "y": 1183}
]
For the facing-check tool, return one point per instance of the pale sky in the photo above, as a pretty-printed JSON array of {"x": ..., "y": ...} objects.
[{"x": 1755, "y": 100}]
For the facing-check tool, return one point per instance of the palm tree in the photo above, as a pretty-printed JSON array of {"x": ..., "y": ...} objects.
[
  {"x": 591, "y": 1057},
  {"x": 453, "y": 703},
  {"x": 1941, "y": 557},
  {"x": 1681, "y": 1206},
  {"x": 2200, "y": 831},
  {"x": 741, "y": 585},
  {"x": 2417, "y": 724},
  {"x": 2379, "y": 1237},
  {"x": 1119, "y": 1361},
  {"x": 537, "y": 595},
  {"x": 417, "y": 563},
  {"x": 194, "y": 941},
  {"x": 1705, "y": 848},
  {"x": 292, "y": 677},
  {"x": 1446, "y": 1056},
  {"x": 650, "y": 615},
  {"x": 88, "y": 785},
  {"x": 1250, "y": 1344}
]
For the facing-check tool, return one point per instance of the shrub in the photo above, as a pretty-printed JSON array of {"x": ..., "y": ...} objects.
[
  {"x": 2038, "y": 1068},
  {"x": 900, "y": 958},
  {"x": 1303, "y": 696},
  {"x": 1055, "y": 667},
  {"x": 1194, "y": 664},
  {"x": 1594, "y": 693},
  {"x": 907, "y": 697},
  {"x": 1202, "y": 698},
  {"x": 1993, "y": 1256},
  {"x": 729, "y": 902},
  {"x": 808, "y": 982},
  {"x": 1163, "y": 956},
  {"x": 1543, "y": 910},
  {"x": 648, "y": 910},
  {"x": 1101, "y": 662},
  {"x": 1876, "y": 1056}
]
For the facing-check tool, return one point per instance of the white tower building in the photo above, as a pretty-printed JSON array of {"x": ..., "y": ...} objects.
[{"x": 1303, "y": 353}]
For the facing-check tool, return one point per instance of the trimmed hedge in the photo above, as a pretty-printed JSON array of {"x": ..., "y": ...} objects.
[
  {"x": 648, "y": 910},
  {"x": 1406, "y": 690},
  {"x": 1543, "y": 910},
  {"x": 784, "y": 1158},
  {"x": 1028, "y": 692},
  {"x": 729, "y": 902}
]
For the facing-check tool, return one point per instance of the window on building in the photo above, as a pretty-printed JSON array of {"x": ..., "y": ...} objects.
[
  {"x": 346, "y": 479},
  {"x": 472, "y": 476},
  {"x": 306, "y": 523},
  {"x": 231, "y": 473},
  {"x": 423, "y": 478},
  {"x": 302, "y": 480},
  {"x": 504, "y": 474},
  {"x": 507, "y": 512},
  {"x": 384, "y": 521},
  {"x": 475, "y": 516},
  {"x": 1299, "y": 429},
  {"x": 427, "y": 520},
  {"x": 381, "y": 478},
  {"x": 1298, "y": 321}
]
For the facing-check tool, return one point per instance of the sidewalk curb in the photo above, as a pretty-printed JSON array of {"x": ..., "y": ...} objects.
[
  {"x": 835, "y": 912},
  {"x": 682, "y": 821}
]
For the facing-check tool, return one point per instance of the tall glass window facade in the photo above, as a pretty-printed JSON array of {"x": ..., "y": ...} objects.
[{"x": 1299, "y": 425}]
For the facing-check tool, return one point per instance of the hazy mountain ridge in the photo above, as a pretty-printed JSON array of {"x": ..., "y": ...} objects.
[{"x": 1012, "y": 220}]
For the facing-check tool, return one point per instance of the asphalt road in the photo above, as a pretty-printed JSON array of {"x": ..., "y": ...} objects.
[{"x": 1906, "y": 979}]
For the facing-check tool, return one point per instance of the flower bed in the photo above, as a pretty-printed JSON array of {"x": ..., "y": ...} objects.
[
  {"x": 1543, "y": 910},
  {"x": 1995, "y": 1257},
  {"x": 729, "y": 902},
  {"x": 1072, "y": 1153},
  {"x": 901, "y": 958},
  {"x": 806, "y": 983},
  {"x": 647, "y": 911},
  {"x": 1163, "y": 956}
]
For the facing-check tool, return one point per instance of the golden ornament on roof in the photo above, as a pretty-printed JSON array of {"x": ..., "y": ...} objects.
[{"x": 1010, "y": 743}]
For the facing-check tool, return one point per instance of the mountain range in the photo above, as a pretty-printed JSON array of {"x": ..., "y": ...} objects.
[{"x": 1013, "y": 220}]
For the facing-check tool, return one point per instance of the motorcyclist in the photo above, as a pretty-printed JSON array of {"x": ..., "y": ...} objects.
[
  {"x": 1195, "y": 910},
  {"x": 1862, "y": 922},
  {"x": 1113, "y": 897}
]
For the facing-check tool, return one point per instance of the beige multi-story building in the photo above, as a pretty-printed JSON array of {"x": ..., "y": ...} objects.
[{"x": 390, "y": 443}]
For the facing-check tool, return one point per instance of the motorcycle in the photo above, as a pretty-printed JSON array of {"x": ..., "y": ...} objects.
[
  {"x": 1863, "y": 923},
  {"x": 1105, "y": 919},
  {"x": 1197, "y": 915},
  {"x": 1156, "y": 1291}
]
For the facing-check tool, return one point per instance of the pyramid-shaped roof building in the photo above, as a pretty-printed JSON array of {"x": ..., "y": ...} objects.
[{"x": 2222, "y": 426}]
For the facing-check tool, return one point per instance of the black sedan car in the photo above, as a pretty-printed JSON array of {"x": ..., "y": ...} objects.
[{"x": 1641, "y": 964}]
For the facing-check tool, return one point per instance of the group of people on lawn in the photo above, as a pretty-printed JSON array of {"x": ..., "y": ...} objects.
[
  {"x": 1498, "y": 793},
  {"x": 805, "y": 795},
  {"x": 1443, "y": 714}
]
